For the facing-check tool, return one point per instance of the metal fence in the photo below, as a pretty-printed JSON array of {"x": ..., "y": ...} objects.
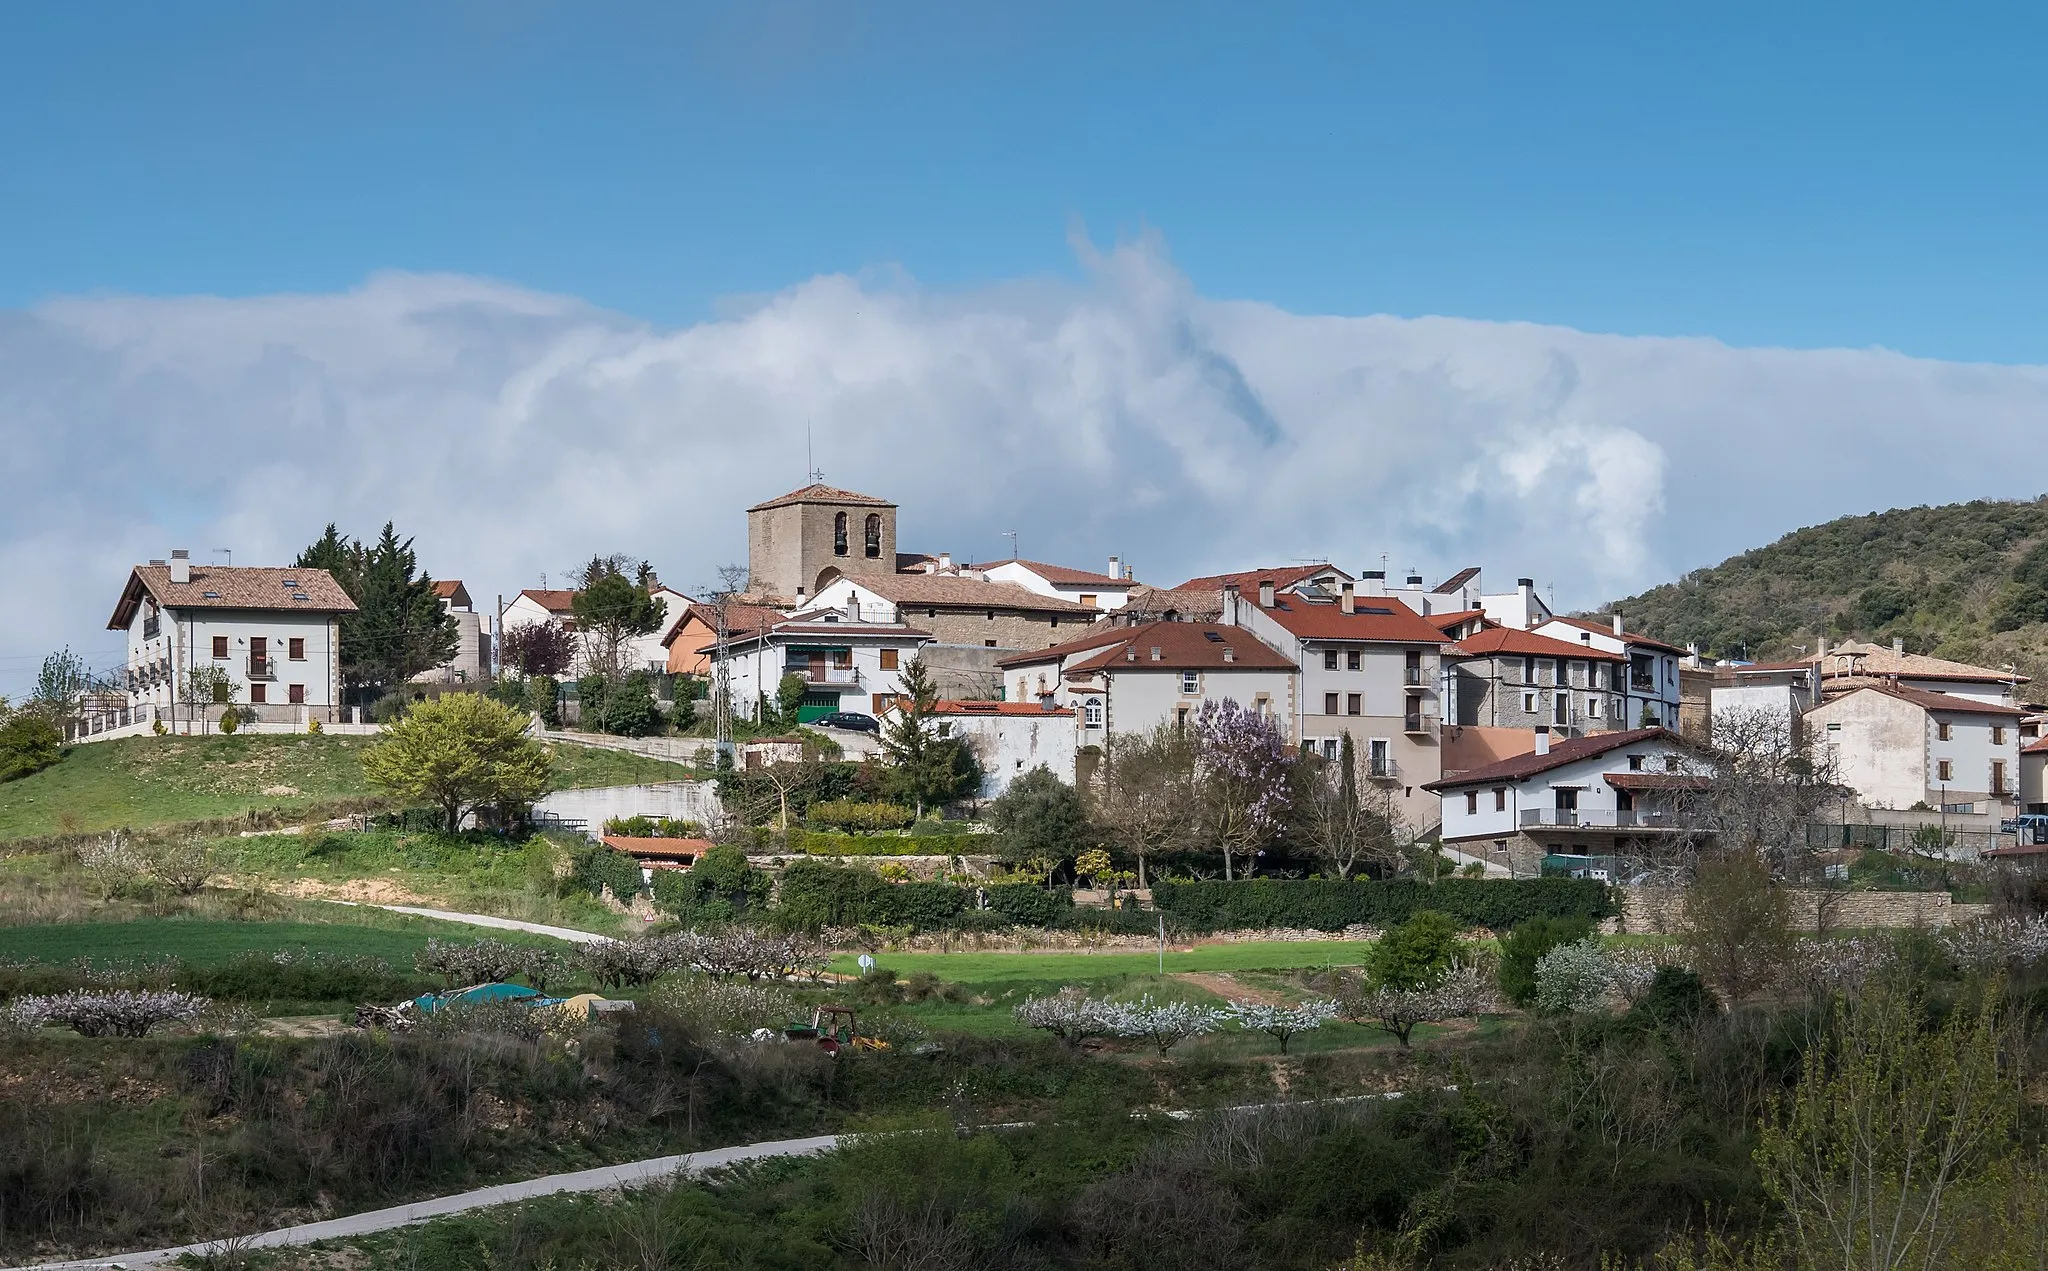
[{"x": 1954, "y": 843}]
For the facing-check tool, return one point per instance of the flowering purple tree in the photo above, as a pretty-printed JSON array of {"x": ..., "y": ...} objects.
[{"x": 1241, "y": 772}]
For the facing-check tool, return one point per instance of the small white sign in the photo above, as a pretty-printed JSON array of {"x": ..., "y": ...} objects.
[{"x": 866, "y": 963}]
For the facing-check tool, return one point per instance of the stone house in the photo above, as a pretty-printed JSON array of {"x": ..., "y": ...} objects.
[{"x": 958, "y": 609}]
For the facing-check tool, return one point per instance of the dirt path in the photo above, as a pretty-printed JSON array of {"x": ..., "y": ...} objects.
[{"x": 1225, "y": 985}]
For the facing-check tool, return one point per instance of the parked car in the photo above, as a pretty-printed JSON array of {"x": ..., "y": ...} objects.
[{"x": 852, "y": 721}]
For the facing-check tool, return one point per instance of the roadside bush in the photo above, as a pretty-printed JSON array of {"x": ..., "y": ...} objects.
[
  {"x": 857, "y": 816},
  {"x": 1331, "y": 905},
  {"x": 1524, "y": 947},
  {"x": 600, "y": 870},
  {"x": 629, "y": 710},
  {"x": 28, "y": 743}
]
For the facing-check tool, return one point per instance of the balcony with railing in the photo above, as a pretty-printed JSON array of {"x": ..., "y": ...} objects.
[
  {"x": 824, "y": 676},
  {"x": 1419, "y": 723},
  {"x": 1597, "y": 819},
  {"x": 262, "y": 666}
]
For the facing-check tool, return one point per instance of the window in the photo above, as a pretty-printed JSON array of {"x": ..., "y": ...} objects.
[
  {"x": 1352, "y": 703},
  {"x": 842, "y": 659},
  {"x": 988, "y": 644},
  {"x": 295, "y": 694},
  {"x": 1086, "y": 599},
  {"x": 1180, "y": 718},
  {"x": 220, "y": 646},
  {"x": 1566, "y": 798},
  {"x": 259, "y": 693},
  {"x": 1351, "y": 659},
  {"x": 872, "y": 536},
  {"x": 1599, "y": 676},
  {"x": 1998, "y": 734},
  {"x": 1330, "y": 748},
  {"x": 1330, "y": 662},
  {"x": 1500, "y": 798},
  {"x": 1022, "y": 683},
  {"x": 889, "y": 664},
  {"x": 1262, "y": 706},
  {"x": 991, "y": 615},
  {"x": 1635, "y": 763},
  {"x": 1411, "y": 668},
  {"x": 1998, "y": 776},
  {"x": 295, "y": 649},
  {"x": 1560, "y": 707},
  {"x": 1592, "y": 707},
  {"x": 1378, "y": 761},
  {"x": 839, "y": 534},
  {"x": 1190, "y": 681},
  {"x": 1942, "y": 731},
  {"x": 1529, "y": 672},
  {"x": 1545, "y": 670},
  {"x": 1671, "y": 763},
  {"x": 1528, "y": 703},
  {"x": 1943, "y": 771},
  {"x": 1577, "y": 674},
  {"x": 884, "y": 702},
  {"x": 1471, "y": 803},
  {"x": 1329, "y": 703},
  {"x": 1091, "y": 713}
]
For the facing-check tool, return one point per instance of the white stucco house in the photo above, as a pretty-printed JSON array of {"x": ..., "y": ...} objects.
[
  {"x": 1901, "y": 747},
  {"x": 847, "y": 664},
  {"x": 1132, "y": 679},
  {"x": 270, "y": 638},
  {"x": 1105, "y": 592},
  {"x": 1011, "y": 738},
  {"x": 641, "y": 653},
  {"x": 1604, "y": 794}
]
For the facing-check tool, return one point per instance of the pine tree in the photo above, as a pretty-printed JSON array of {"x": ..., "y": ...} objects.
[
  {"x": 926, "y": 768},
  {"x": 399, "y": 627}
]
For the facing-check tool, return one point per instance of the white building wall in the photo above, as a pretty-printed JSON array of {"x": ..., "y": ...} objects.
[
  {"x": 1596, "y": 799},
  {"x": 185, "y": 639},
  {"x": 1009, "y": 746},
  {"x": 1879, "y": 744},
  {"x": 1138, "y": 700},
  {"x": 1104, "y": 597}
]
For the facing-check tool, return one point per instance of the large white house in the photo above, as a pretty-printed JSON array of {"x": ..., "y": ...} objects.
[
  {"x": 1083, "y": 587},
  {"x": 846, "y": 664},
  {"x": 1604, "y": 794},
  {"x": 640, "y": 653},
  {"x": 1901, "y": 747},
  {"x": 1131, "y": 679},
  {"x": 1011, "y": 738},
  {"x": 266, "y": 640}
]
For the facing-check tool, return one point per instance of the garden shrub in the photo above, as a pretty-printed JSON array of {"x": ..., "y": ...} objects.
[
  {"x": 816, "y": 895},
  {"x": 1332, "y": 905},
  {"x": 601, "y": 869},
  {"x": 1525, "y": 946},
  {"x": 1412, "y": 956},
  {"x": 28, "y": 743},
  {"x": 719, "y": 887},
  {"x": 1027, "y": 904},
  {"x": 857, "y": 816}
]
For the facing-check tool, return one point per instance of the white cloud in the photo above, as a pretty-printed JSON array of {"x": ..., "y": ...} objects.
[{"x": 515, "y": 433}]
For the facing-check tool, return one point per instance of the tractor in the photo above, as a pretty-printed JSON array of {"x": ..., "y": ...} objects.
[{"x": 834, "y": 1028}]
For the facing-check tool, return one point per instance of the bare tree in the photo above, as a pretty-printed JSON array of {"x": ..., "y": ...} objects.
[
  {"x": 1343, "y": 826},
  {"x": 1766, "y": 783},
  {"x": 1144, "y": 797}
]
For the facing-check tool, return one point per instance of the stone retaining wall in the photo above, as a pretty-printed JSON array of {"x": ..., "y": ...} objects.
[{"x": 1661, "y": 910}]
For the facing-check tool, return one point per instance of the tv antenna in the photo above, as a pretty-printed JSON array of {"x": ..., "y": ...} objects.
[
  {"x": 811, "y": 472},
  {"x": 1012, "y": 536}
]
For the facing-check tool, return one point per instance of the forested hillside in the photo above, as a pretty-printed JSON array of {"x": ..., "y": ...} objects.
[{"x": 1966, "y": 581}]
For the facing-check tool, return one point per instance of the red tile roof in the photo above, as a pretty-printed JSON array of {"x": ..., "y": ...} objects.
[
  {"x": 1657, "y": 781},
  {"x": 1053, "y": 653},
  {"x": 553, "y": 600},
  {"x": 1948, "y": 702},
  {"x": 739, "y": 617},
  {"x": 1060, "y": 575},
  {"x": 657, "y": 848},
  {"x": 1527, "y": 644},
  {"x": 1248, "y": 581},
  {"x": 2035, "y": 747},
  {"x": 822, "y": 494},
  {"x": 946, "y": 706},
  {"x": 1184, "y": 646},
  {"x": 1194, "y": 606},
  {"x": 1396, "y": 623},
  {"x": 1607, "y": 629},
  {"x": 1445, "y": 621},
  {"x": 1522, "y": 767},
  {"x": 232, "y": 587},
  {"x": 952, "y": 591},
  {"x": 1455, "y": 581},
  {"x": 452, "y": 589}
]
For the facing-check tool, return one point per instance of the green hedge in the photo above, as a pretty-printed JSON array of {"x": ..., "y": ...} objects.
[
  {"x": 603, "y": 868},
  {"x": 834, "y": 843},
  {"x": 1329, "y": 905},
  {"x": 817, "y": 895},
  {"x": 1028, "y": 904}
]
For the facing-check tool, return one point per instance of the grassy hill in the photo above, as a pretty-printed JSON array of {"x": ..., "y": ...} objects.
[
  {"x": 142, "y": 781},
  {"x": 1964, "y": 580}
]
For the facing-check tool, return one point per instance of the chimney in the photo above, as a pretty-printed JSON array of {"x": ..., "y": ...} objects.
[
  {"x": 1527, "y": 589},
  {"x": 1229, "y": 654},
  {"x": 1414, "y": 582},
  {"x": 1542, "y": 739},
  {"x": 1374, "y": 582},
  {"x": 1116, "y": 567},
  {"x": 945, "y": 560},
  {"x": 1229, "y": 614},
  {"x": 1346, "y": 600},
  {"x": 1265, "y": 593},
  {"x": 853, "y": 608},
  {"x": 1617, "y": 624},
  {"x": 1155, "y": 653},
  {"x": 181, "y": 566}
]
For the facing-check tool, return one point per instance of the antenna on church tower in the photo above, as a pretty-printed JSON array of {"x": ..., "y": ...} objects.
[{"x": 811, "y": 472}]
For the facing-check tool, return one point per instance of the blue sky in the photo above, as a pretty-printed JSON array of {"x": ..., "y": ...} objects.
[{"x": 1809, "y": 175}]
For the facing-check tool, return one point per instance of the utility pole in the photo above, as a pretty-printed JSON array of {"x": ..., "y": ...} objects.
[{"x": 731, "y": 578}]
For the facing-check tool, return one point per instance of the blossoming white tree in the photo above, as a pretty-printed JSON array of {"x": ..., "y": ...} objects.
[{"x": 1283, "y": 1023}]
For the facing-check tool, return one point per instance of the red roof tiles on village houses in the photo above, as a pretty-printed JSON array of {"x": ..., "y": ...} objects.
[
  {"x": 1184, "y": 646},
  {"x": 1606, "y": 627},
  {"x": 553, "y": 600},
  {"x": 1061, "y": 575},
  {"x": 1248, "y": 581},
  {"x": 1522, "y": 767},
  {"x": 1394, "y": 623},
  {"x": 947, "y": 706},
  {"x": 1511, "y": 641},
  {"x": 232, "y": 587}
]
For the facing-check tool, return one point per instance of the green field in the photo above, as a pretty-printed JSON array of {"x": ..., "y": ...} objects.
[
  {"x": 144, "y": 781},
  {"x": 204, "y": 942},
  {"x": 982, "y": 969}
]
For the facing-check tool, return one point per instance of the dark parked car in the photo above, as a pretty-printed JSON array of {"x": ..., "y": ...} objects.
[{"x": 853, "y": 721}]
